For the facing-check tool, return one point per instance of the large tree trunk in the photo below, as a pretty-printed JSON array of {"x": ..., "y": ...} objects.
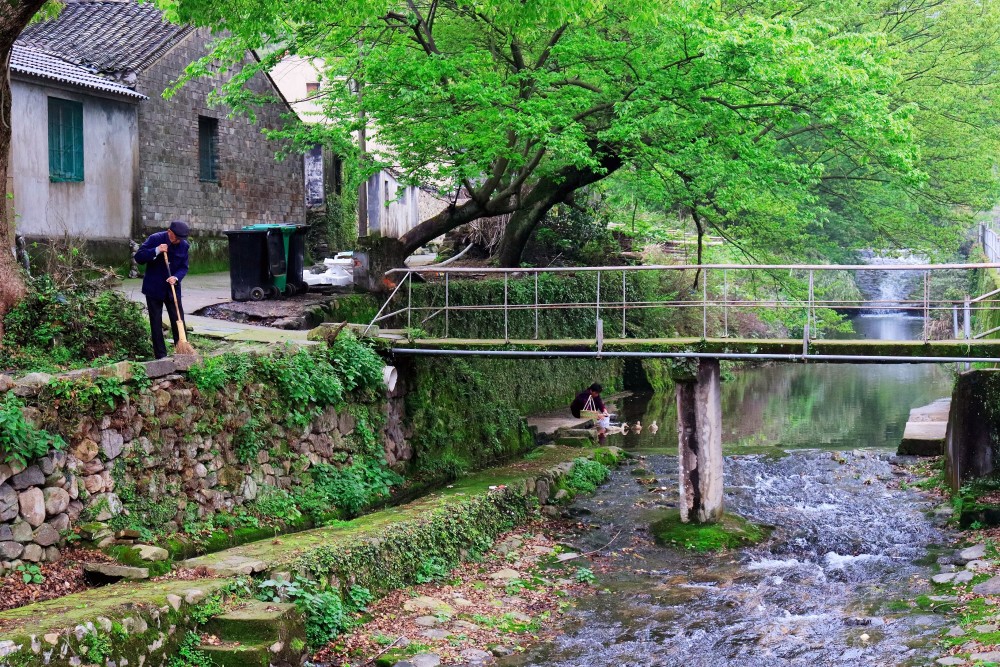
[
  {"x": 546, "y": 194},
  {"x": 15, "y": 16}
]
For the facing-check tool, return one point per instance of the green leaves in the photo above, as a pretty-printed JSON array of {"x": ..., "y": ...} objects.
[{"x": 20, "y": 441}]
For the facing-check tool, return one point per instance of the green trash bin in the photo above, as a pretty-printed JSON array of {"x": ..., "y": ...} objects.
[{"x": 279, "y": 241}]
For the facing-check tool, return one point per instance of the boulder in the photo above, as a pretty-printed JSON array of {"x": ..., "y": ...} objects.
[
  {"x": 32, "y": 506},
  {"x": 93, "y": 483},
  {"x": 56, "y": 500},
  {"x": 10, "y": 550},
  {"x": 150, "y": 553},
  {"x": 30, "y": 476},
  {"x": 116, "y": 572},
  {"x": 8, "y": 502},
  {"x": 5, "y": 472},
  {"x": 46, "y": 465},
  {"x": 21, "y": 532},
  {"x": 31, "y": 384},
  {"x": 45, "y": 535},
  {"x": 60, "y": 522},
  {"x": 33, "y": 553},
  {"x": 972, "y": 553}
]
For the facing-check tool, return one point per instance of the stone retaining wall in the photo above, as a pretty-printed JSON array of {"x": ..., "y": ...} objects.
[{"x": 162, "y": 450}]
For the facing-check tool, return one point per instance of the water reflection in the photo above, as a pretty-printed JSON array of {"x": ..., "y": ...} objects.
[{"x": 807, "y": 405}]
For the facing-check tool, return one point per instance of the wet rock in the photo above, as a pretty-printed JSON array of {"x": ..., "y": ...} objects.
[
  {"x": 32, "y": 506},
  {"x": 972, "y": 553},
  {"x": 30, "y": 476},
  {"x": 8, "y": 502},
  {"x": 45, "y": 535},
  {"x": 56, "y": 500},
  {"x": 989, "y": 587}
]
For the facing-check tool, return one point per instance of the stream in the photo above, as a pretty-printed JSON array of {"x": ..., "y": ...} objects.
[{"x": 808, "y": 450}]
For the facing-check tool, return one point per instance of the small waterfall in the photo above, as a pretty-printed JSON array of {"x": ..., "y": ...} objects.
[{"x": 886, "y": 291}]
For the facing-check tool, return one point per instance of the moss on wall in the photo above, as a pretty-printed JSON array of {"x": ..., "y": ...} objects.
[{"x": 466, "y": 413}]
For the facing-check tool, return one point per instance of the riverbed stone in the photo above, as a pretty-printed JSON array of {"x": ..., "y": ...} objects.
[
  {"x": 8, "y": 502},
  {"x": 972, "y": 553},
  {"x": 989, "y": 587},
  {"x": 56, "y": 500},
  {"x": 432, "y": 604},
  {"x": 30, "y": 476},
  {"x": 32, "y": 506}
]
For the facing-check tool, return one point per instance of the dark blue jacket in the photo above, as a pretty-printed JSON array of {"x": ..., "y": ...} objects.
[{"x": 154, "y": 283}]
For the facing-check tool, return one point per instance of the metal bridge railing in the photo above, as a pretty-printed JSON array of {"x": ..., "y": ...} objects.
[
  {"x": 990, "y": 241},
  {"x": 928, "y": 292}
]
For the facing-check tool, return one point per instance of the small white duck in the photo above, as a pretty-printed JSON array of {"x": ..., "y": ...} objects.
[
  {"x": 638, "y": 426},
  {"x": 653, "y": 428}
]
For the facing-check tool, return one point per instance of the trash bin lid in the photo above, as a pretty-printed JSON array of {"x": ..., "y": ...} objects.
[{"x": 266, "y": 226}]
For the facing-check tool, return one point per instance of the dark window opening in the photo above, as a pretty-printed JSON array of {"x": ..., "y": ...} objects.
[
  {"x": 312, "y": 87},
  {"x": 65, "y": 140},
  {"x": 208, "y": 148}
]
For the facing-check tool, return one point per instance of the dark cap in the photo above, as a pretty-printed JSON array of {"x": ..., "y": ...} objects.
[{"x": 179, "y": 228}]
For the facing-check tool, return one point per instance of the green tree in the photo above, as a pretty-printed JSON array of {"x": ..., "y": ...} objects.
[
  {"x": 732, "y": 110},
  {"x": 15, "y": 15}
]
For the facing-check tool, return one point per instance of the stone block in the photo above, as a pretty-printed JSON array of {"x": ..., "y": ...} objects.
[
  {"x": 31, "y": 384},
  {"x": 56, "y": 500},
  {"x": 5, "y": 472},
  {"x": 11, "y": 550},
  {"x": 8, "y": 503},
  {"x": 30, "y": 476},
  {"x": 60, "y": 522},
  {"x": 121, "y": 370},
  {"x": 150, "y": 553},
  {"x": 116, "y": 572},
  {"x": 112, "y": 444},
  {"x": 6, "y": 383},
  {"x": 21, "y": 532},
  {"x": 45, "y": 535},
  {"x": 32, "y": 506},
  {"x": 183, "y": 362},
  {"x": 86, "y": 450},
  {"x": 108, "y": 506},
  {"x": 33, "y": 553},
  {"x": 159, "y": 367}
]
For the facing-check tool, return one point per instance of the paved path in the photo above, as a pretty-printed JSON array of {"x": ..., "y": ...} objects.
[{"x": 210, "y": 289}]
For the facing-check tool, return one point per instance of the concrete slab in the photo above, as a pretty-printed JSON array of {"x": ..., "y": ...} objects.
[
  {"x": 549, "y": 424},
  {"x": 926, "y": 429}
]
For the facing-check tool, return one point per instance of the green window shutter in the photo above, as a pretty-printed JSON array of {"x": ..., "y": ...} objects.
[{"x": 65, "y": 140}]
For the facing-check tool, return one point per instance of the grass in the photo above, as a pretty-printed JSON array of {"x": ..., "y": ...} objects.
[{"x": 732, "y": 532}]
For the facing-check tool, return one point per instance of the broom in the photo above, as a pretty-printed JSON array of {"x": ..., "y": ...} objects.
[{"x": 182, "y": 346}]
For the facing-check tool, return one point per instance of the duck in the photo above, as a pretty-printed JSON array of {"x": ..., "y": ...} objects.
[
  {"x": 653, "y": 428},
  {"x": 624, "y": 428},
  {"x": 638, "y": 427}
]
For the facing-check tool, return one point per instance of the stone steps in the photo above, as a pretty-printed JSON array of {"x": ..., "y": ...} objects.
[
  {"x": 259, "y": 634},
  {"x": 926, "y": 429}
]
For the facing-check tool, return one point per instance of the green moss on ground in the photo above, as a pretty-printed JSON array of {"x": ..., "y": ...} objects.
[{"x": 732, "y": 532}]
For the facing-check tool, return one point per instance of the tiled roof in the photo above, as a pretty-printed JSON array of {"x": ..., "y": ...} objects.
[
  {"x": 35, "y": 63},
  {"x": 113, "y": 37}
]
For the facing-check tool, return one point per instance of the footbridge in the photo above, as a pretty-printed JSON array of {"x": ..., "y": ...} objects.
[
  {"x": 792, "y": 313},
  {"x": 789, "y": 313}
]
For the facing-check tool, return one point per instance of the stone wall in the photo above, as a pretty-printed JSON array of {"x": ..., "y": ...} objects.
[
  {"x": 160, "y": 452},
  {"x": 253, "y": 186}
]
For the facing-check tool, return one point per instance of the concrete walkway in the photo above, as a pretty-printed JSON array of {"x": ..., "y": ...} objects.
[
  {"x": 210, "y": 289},
  {"x": 926, "y": 429}
]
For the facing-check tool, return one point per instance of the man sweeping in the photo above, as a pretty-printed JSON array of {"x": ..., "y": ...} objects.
[{"x": 165, "y": 255}]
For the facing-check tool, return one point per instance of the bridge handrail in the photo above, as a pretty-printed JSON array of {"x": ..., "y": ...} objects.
[{"x": 697, "y": 267}]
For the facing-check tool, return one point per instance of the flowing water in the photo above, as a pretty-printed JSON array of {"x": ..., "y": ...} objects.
[{"x": 847, "y": 543}]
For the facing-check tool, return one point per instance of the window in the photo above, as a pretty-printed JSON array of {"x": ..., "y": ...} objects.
[
  {"x": 312, "y": 87},
  {"x": 65, "y": 140},
  {"x": 208, "y": 148}
]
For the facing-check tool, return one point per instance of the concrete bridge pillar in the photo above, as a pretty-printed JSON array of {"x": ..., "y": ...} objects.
[{"x": 699, "y": 434}]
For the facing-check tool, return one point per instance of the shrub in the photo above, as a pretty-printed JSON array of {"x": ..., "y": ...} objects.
[
  {"x": 75, "y": 325},
  {"x": 20, "y": 441}
]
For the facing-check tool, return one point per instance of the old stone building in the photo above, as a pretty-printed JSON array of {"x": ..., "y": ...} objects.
[{"x": 98, "y": 151}]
